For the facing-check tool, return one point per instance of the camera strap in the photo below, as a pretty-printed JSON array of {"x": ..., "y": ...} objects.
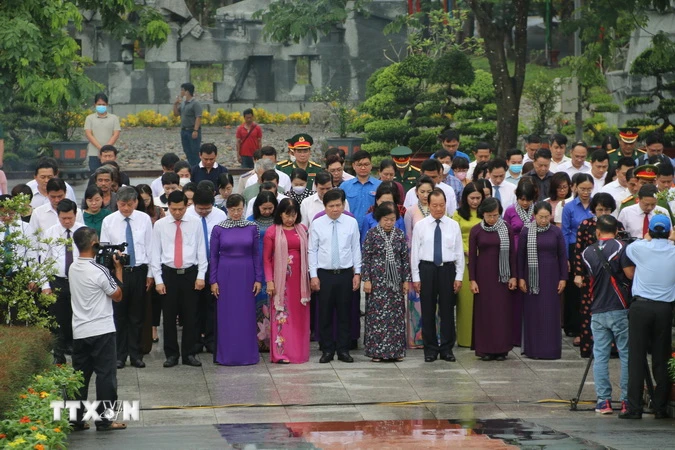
[{"x": 624, "y": 297}]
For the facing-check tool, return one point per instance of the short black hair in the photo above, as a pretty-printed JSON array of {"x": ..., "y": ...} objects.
[
  {"x": 332, "y": 195},
  {"x": 449, "y": 135},
  {"x": 180, "y": 165},
  {"x": 189, "y": 187},
  {"x": 170, "y": 178},
  {"x": 235, "y": 200},
  {"x": 533, "y": 139},
  {"x": 654, "y": 137},
  {"x": 169, "y": 160},
  {"x": 257, "y": 154},
  {"x": 543, "y": 153},
  {"x": 66, "y": 205},
  {"x": 559, "y": 139},
  {"x": 323, "y": 177},
  {"x": 84, "y": 238},
  {"x": 332, "y": 159},
  {"x": 100, "y": 96},
  {"x": 334, "y": 151},
  {"x": 287, "y": 205},
  {"x": 262, "y": 198},
  {"x": 47, "y": 163},
  {"x": 625, "y": 161},
  {"x": 482, "y": 146},
  {"x": 442, "y": 153},
  {"x": 512, "y": 152},
  {"x": 208, "y": 149},
  {"x": 176, "y": 197},
  {"x": 459, "y": 163},
  {"x": 268, "y": 150},
  {"x": 665, "y": 169},
  {"x": 268, "y": 186},
  {"x": 247, "y": 111},
  {"x": 384, "y": 209},
  {"x": 431, "y": 165},
  {"x": 497, "y": 163},
  {"x": 542, "y": 205},
  {"x": 225, "y": 180},
  {"x": 611, "y": 140},
  {"x": 527, "y": 189},
  {"x": 56, "y": 184},
  {"x": 488, "y": 205},
  {"x": 188, "y": 87},
  {"x": 426, "y": 180},
  {"x": 386, "y": 163},
  {"x": 607, "y": 224},
  {"x": 108, "y": 148},
  {"x": 599, "y": 156},
  {"x": 602, "y": 199},
  {"x": 648, "y": 190},
  {"x": 269, "y": 175},
  {"x": 387, "y": 187},
  {"x": 361, "y": 154},
  {"x": 206, "y": 184},
  {"x": 92, "y": 190},
  {"x": 299, "y": 173}
]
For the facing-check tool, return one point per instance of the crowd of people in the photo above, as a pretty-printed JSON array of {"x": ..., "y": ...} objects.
[{"x": 490, "y": 254}]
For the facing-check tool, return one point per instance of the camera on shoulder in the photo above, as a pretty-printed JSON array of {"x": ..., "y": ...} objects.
[{"x": 106, "y": 252}]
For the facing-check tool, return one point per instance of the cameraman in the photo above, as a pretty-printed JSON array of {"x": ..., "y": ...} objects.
[
  {"x": 609, "y": 309},
  {"x": 93, "y": 290},
  {"x": 651, "y": 315}
]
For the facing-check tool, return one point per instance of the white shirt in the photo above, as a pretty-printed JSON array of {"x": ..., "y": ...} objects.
[
  {"x": 472, "y": 167},
  {"x": 555, "y": 166},
  {"x": 156, "y": 187},
  {"x": 241, "y": 184},
  {"x": 598, "y": 184},
  {"x": 114, "y": 230},
  {"x": 422, "y": 246},
  {"x": 507, "y": 193},
  {"x": 632, "y": 217},
  {"x": 56, "y": 251},
  {"x": 619, "y": 193},
  {"x": 346, "y": 176},
  {"x": 215, "y": 217},
  {"x": 450, "y": 198},
  {"x": 526, "y": 158},
  {"x": 321, "y": 239},
  {"x": 44, "y": 217},
  {"x": 311, "y": 206},
  {"x": 23, "y": 256},
  {"x": 284, "y": 180},
  {"x": 164, "y": 238},
  {"x": 91, "y": 286},
  {"x": 39, "y": 199},
  {"x": 571, "y": 170},
  {"x": 557, "y": 213},
  {"x": 249, "y": 205}
]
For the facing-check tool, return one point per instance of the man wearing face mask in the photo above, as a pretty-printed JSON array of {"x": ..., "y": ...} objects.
[
  {"x": 406, "y": 173},
  {"x": 514, "y": 159},
  {"x": 100, "y": 128},
  {"x": 449, "y": 178}
]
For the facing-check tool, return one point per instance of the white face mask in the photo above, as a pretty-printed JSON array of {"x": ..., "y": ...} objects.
[
  {"x": 292, "y": 158},
  {"x": 299, "y": 189},
  {"x": 184, "y": 181},
  {"x": 446, "y": 169}
]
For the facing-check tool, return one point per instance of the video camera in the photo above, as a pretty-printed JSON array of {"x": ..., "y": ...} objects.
[
  {"x": 106, "y": 252},
  {"x": 625, "y": 237}
]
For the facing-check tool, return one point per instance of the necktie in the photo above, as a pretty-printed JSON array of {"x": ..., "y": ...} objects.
[
  {"x": 645, "y": 225},
  {"x": 206, "y": 238},
  {"x": 335, "y": 250},
  {"x": 497, "y": 195},
  {"x": 131, "y": 249},
  {"x": 438, "y": 247},
  {"x": 178, "y": 247},
  {"x": 69, "y": 252}
]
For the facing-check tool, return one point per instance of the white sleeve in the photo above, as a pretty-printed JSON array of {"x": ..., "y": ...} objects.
[{"x": 414, "y": 253}]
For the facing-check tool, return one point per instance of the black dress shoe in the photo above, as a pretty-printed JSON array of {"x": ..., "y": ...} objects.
[
  {"x": 326, "y": 358},
  {"x": 137, "y": 363},
  {"x": 209, "y": 348},
  {"x": 192, "y": 361},
  {"x": 171, "y": 361},
  {"x": 630, "y": 415},
  {"x": 660, "y": 415},
  {"x": 59, "y": 359},
  {"x": 450, "y": 357},
  {"x": 155, "y": 340},
  {"x": 487, "y": 358},
  {"x": 120, "y": 364},
  {"x": 500, "y": 358},
  {"x": 345, "y": 357},
  {"x": 430, "y": 358}
]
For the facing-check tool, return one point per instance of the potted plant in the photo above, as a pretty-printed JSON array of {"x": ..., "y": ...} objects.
[
  {"x": 342, "y": 115},
  {"x": 71, "y": 154}
]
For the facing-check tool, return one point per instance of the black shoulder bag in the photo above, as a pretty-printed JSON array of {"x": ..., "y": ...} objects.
[{"x": 620, "y": 283}]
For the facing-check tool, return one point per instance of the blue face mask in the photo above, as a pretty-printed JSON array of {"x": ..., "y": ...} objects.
[
  {"x": 516, "y": 168},
  {"x": 101, "y": 109}
]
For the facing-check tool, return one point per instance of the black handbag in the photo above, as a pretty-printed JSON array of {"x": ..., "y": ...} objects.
[{"x": 621, "y": 284}]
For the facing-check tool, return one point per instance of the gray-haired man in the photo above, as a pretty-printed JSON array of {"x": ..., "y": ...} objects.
[{"x": 135, "y": 228}]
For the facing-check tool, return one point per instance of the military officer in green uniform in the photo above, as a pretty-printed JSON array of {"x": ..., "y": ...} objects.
[
  {"x": 627, "y": 142},
  {"x": 301, "y": 144},
  {"x": 645, "y": 175},
  {"x": 406, "y": 174}
]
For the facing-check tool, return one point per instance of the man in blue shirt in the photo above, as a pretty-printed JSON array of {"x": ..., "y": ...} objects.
[
  {"x": 360, "y": 191},
  {"x": 450, "y": 141},
  {"x": 651, "y": 315},
  {"x": 208, "y": 168}
]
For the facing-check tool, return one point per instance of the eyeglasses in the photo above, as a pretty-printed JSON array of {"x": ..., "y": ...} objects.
[
  {"x": 363, "y": 165},
  {"x": 339, "y": 170},
  {"x": 586, "y": 190}
]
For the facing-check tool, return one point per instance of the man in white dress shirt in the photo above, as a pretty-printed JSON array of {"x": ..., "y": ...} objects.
[
  {"x": 502, "y": 190},
  {"x": 45, "y": 216},
  {"x": 434, "y": 170},
  {"x": 335, "y": 270},
  {"x": 619, "y": 187},
  {"x": 63, "y": 253},
  {"x": 46, "y": 169},
  {"x": 558, "y": 145},
  {"x": 208, "y": 216},
  {"x": 578, "y": 163},
  {"x": 179, "y": 268},
  {"x": 437, "y": 264},
  {"x": 135, "y": 228},
  {"x": 636, "y": 218},
  {"x": 532, "y": 144},
  {"x": 599, "y": 168},
  {"x": 313, "y": 205}
]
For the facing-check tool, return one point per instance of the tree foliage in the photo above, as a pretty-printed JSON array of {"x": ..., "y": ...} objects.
[{"x": 544, "y": 96}]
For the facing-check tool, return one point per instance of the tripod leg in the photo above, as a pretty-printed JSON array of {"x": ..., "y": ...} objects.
[{"x": 575, "y": 400}]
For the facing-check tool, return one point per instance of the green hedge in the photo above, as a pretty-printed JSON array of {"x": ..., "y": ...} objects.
[{"x": 24, "y": 351}]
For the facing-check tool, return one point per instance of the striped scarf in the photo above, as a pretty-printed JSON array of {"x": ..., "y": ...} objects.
[
  {"x": 392, "y": 278},
  {"x": 533, "y": 256},
  {"x": 504, "y": 247},
  {"x": 525, "y": 216}
]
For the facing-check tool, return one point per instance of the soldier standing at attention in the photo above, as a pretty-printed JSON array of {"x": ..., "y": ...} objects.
[
  {"x": 627, "y": 139},
  {"x": 645, "y": 175},
  {"x": 406, "y": 174},
  {"x": 301, "y": 144}
]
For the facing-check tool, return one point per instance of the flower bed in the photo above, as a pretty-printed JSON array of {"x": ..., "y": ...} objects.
[{"x": 30, "y": 424}]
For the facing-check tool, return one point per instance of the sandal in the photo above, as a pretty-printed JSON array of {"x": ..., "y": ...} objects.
[
  {"x": 283, "y": 361},
  {"x": 376, "y": 360},
  {"x": 80, "y": 426},
  {"x": 576, "y": 342},
  {"x": 111, "y": 426}
]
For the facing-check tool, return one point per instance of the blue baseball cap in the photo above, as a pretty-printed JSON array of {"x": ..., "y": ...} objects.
[{"x": 659, "y": 220}]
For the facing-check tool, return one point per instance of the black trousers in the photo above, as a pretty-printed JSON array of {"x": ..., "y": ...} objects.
[
  {"x": 572, "y": 305},
  {"x": 130, "y": 314},
  {"x": 63, "y": 313},
  {"x": 335, "y": 295},
  {"x": 180, "y": 297},
  {"x": 206, "y": 317},
  {"x": 96, "y": 354},
  {"x": 649, "y": 328},
  {"x": 437, "y": 290}
]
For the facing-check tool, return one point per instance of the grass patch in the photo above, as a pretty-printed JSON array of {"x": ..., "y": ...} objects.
[
  {"x": 204, "y": 76},
  {"x": 531, "y": 70},
  {"x": 24, "y": 351}
]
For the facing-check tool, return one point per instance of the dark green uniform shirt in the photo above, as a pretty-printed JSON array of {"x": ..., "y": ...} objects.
[
  {"x": 409, "y": 177},
  {"x": 615, "y": 155},
  {"x": 286, "y": 166}
]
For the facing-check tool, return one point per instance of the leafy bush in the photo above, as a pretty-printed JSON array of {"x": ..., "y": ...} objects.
[
  {"x": 543, "y": 95},
  {"x": 427, "y": 140},
  {"x": 389, "y": 130},
  {"x": 378, "y": 149}
]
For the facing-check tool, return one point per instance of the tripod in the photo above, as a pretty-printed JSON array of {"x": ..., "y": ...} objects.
[{"x": 648, "y": 379}]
